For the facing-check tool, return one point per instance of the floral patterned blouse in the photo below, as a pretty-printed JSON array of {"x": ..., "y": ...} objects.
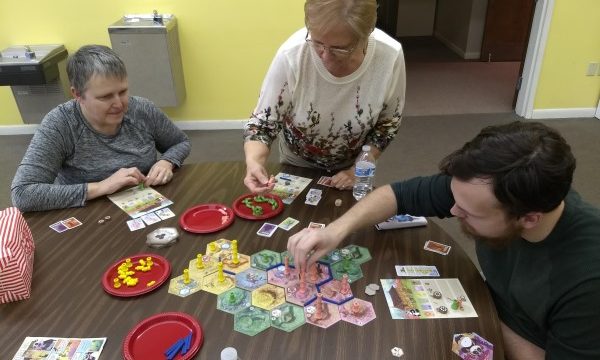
[{"x": 325, "y": 120}]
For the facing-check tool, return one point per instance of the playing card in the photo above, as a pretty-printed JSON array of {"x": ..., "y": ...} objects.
[
  {"x": 315, "y": 225},
  {"x": 135, "y": 224},
  {"x": 165, "y": 213},
  {"x": 59, "y": 227},
  {"x": 312, "y": 200},
  {"x": 288, "y": 223},
  {"x": 436, "y": 247},
  {"x": 71, "y": 223},
  {"x": 325, "y": 180},
  {"x": 151, "y": 218},
  {"x": 267, "y": 229}
]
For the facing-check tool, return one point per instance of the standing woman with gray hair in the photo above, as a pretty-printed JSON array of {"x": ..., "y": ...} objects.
[
  {"x": 333, "y": 86},
  {"x": 98, "y": 143}
]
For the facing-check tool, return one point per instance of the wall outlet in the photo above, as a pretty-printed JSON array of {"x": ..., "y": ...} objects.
[{"x": 592, "y": 69}]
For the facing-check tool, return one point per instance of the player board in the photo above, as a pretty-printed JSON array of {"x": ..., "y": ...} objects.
[
  {"x": 138, "y": 201},
  {"x": 288, "y": 187},
  {"x": 60, "y": 348},
  {"x": 426, "y": 299}
]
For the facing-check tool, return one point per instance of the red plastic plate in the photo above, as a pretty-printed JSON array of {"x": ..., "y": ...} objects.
[
  {"x": 206, "y": 218},
  {"x": 159, "y": 273},
  {"x": 149, "y": 339},
  {"x": 245, "y": 212}
]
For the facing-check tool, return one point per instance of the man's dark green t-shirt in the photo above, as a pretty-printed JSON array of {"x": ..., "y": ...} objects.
[{"x": 549, "y": 291}]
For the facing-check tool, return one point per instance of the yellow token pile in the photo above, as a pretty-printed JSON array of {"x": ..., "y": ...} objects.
[{"x": 125, "y": 273}]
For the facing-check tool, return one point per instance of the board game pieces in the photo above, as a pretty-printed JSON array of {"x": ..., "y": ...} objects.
[
  {"x": 271, "y": 292},
  {"x": 136, "y": 275},
  {"x": 162, "y": 237},
  {"x": 397, "y": 352}
]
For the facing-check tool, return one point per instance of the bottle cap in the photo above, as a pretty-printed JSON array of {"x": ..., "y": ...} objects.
[
  {"x": 229, "y": 353},
  {"x": 366, "y": 148}
]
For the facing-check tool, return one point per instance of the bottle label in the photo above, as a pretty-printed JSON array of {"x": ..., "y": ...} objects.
[{"x": 362, "y": 171}]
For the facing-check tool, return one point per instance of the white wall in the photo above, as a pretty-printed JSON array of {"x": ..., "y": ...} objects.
[{"x": 459, "y": 24}]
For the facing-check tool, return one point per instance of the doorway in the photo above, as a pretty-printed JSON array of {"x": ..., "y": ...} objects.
[{"x": 447, "y": 45}]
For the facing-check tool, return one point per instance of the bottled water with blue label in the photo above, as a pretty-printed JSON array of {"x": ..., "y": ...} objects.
[{"x": 364, "y": 173}]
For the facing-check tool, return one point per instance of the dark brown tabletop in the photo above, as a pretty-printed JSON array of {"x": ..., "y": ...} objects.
[{"x": 68, "y": 300}]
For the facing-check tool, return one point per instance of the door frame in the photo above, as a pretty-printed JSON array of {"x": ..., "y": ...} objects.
[{"x": 532, "y": 66}]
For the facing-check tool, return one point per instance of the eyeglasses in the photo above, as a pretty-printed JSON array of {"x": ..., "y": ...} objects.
[{"x": 335, "y": 51}]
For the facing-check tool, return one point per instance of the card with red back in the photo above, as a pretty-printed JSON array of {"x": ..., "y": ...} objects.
[{"x": 436, "y": 247}]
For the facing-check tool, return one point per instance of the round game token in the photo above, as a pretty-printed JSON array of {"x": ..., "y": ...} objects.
[
  {"x": 159, "y": 273},
  {"x": 206, "y": 218},
  {"x": 244, "y": 211},
  {"x": 152, "y": 337}
]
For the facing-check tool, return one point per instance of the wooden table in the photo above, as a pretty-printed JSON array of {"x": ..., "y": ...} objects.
[{"x": 68, "y": 300}]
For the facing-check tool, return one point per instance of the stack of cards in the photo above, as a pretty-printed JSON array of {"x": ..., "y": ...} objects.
[
  {"x": 325, "y": 181},
  {"x": 436, "y": 247},
  {"x": 313, "y": 197},
  {"x": 65, "y": 225}
]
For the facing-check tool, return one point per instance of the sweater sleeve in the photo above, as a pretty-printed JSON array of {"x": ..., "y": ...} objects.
[
  {"x": 390, "y": 117},
  {"x": 274, "y": 103},
  {"x": 170, "y": 141},
  {"x": 424, "y": 196},
  {"x": 33, "y": 187}
]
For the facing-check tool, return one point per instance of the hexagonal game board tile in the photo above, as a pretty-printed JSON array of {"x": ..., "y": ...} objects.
[
  {"x": 318, "y": 274},
  {"x": 347, "y": 267},
  {"x": 209, "y": 266},
  {"x": 234, "y": 300},
  {"x": 268, "y": 296},
  {"x": 233, "y": 268},
  {"x": 359, "y": 254},
  {"x": 357, "y": 311},
  {"x": 329, "y": 315},
  {"x": 294, "y": 295},
  {"x": 331, "y": 257},
  {"x": 265, "y": 259},
  {"x": 251, "y": 320},
  {"x": 290, "y": 258},
  {"x": 217, "y": 248},
  {"x": 287, "y": 317},
  {"x": 331, "y": 291},
  {"x": 251, "y": 279},
  {"x": 277, "y": 276},
  {"x": 211, "y": 283}
]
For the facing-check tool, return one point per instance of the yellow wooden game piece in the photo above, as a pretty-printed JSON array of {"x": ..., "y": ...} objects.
[
  {"x": 220, "y": 276},
  {"x": 234, "y": 252},
  {"x": 149, "y": 261},
  {"x": 116, "y": 283},
  {"x": 186, "y": 276},
  {"x": 212, "y": 246},
  {"x": 199, "y": 262},
  {"x": 151, "y": 283},
  {"x": 128, "y": 263}
]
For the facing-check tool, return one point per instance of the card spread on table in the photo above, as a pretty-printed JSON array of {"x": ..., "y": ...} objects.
[
  {"x": 416, "y": 270},
  {"x": 288, "y": 223},
  {"x": 436, "y": 247},
  {"x": 60, "y": 348},
  {"x": 471, "y": 346},
  {"x": 151, "y": 218},
  {"x": 313, "y": 197},
  {"x": 135, "y": 224},
  {"x": 267, "y": 229},
  {"x": 67, "y": 224}
]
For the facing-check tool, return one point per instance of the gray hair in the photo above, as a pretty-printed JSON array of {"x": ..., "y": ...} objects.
[
  {"x": 359, "y": 15},
  {"x": 92, "y": 60}
]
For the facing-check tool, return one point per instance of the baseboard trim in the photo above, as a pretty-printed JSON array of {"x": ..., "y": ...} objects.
[
  {"x": 29, "y": 129},
  {"x": 460, "y": 52},
  {"x": 563, "y": 113}
]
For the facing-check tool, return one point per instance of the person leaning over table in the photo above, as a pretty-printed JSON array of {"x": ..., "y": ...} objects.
[
  {"x": 332, "y": 87},
  {"x": 537, "y": 241},
  {"x": 99, "y": 142}
]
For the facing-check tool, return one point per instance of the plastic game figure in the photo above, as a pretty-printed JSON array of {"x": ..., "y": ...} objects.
[
  {"x": 186, "y": 276},
  {"x": 199, "y": 261},
  {"x": 220, "y": 276},
  {"x": 345, "y": 286}
]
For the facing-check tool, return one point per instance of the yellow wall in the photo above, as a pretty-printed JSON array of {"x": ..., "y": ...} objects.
[
  {"x": 573, "y": 42},
  {"x": 226, "y": 45}
]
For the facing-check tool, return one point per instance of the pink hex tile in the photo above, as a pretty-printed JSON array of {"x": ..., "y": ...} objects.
[
  {"x": 277, "y": 276},
  {"x": 334, "y": 292},
  {"x": 300, "y": 295},
  {"x": 318, "y": 273},
  {"x": 357, "y": 311},
  {"x": 321, "y": 313}
]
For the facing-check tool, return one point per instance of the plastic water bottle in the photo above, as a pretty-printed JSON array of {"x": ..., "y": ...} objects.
[
  {"x": 229, "y": 353},
  {"x": 364, "y": 173}
]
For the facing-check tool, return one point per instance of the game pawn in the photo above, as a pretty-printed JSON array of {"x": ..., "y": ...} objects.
[{"x": 301, "y": 292}]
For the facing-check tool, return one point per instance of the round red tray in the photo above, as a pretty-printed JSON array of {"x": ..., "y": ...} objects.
[
  {"x": 159, "y": 273},
  {"x": 152, "y": 337},
  {"x": 206, "y": 218},
  {"x": 245, "y": 212}
]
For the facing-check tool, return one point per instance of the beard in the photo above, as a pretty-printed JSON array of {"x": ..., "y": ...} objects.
[{"x": 511, "y": 233}]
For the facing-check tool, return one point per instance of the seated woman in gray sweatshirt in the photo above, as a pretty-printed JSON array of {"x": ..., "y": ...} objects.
[{"x": 100, "y": 142}]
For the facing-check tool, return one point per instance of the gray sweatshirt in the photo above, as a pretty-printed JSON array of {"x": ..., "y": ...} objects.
[{"x": 66, "y": 153}]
